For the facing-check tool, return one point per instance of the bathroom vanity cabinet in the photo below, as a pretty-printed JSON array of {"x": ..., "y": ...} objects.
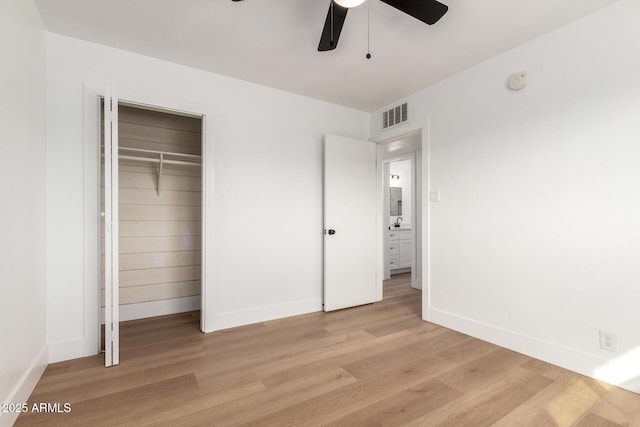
[{"x": 399, "y": 249}]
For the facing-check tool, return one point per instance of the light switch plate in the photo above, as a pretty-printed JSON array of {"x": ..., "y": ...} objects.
[{"x": 434, "y": 196}]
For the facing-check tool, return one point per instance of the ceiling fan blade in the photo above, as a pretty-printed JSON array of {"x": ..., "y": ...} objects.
[
  {"x": 332, "y": 27},
  {"x": 427, "y": 11}
]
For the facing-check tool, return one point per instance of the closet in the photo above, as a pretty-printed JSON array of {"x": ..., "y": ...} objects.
[{"x": 158, "y": 210}]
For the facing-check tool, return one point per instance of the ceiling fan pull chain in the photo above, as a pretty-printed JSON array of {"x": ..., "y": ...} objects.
[{"x": 368, "y": 30}]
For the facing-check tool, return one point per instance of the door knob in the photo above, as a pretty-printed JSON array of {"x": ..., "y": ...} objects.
[{"x": 332, "y": 231}]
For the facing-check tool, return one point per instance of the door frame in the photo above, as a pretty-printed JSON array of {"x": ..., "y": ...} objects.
[
  {"x": 407, "y": 129},
  {"x": 92, "y": 93}
]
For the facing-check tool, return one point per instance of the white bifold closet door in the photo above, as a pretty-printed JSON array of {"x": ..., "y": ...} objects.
[{"x": 111, "y": 232}]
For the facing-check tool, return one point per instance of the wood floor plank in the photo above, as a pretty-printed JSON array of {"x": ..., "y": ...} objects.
[
  {"x": 224, "y": 365},
  {"x": 489, "y": 402},
  {"x": 373, "y": 365},
  {"x": 164, "y": 409},
  {"x": 581, "y": 391},
  {"x": 406, "y": 321},
  {"x": 403, "y": 407},
  {"x": 110, "y": 407},
  {"x": 292, "y": 360},
  {"x": 340, "y": 356},
  {"x": 592, "y": 420},
  {"x": 405, "y": 353},
  {"x": 358, "y": 395},
  {"x": 467, "y": 350},
  {"x": 473, "y": 374},
  {"x": 620, "y": 406},
  {"x": 279, "y": 398},
  {"x": 89, "y": 390},
  {"x": 563, "y": 403},
  {"x": 81, "y": 374}
]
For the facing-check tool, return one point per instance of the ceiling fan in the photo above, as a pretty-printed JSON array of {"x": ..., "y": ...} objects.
[{"x": 427, "y": 11}]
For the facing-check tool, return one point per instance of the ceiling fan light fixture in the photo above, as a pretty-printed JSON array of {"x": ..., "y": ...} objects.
[
  {"x": 427, "y": 11},
  {"x": 349, "y": 3}
]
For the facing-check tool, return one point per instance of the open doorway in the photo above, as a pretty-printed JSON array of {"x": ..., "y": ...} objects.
[
  {"x": 400, "y": 180},
  {"x": 400, "y": 215},
  {"x": 400, "y": 260}
]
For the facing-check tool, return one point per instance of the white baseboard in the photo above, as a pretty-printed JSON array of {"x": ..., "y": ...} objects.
[
  {"x": 232, "y": 319},
  {"x": 156, "y": 308},
  {"x": 616, "y": 372},
  {"x": 25, "y": 386}
]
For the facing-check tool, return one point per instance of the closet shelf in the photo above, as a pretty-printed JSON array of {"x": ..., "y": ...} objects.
[{"x": 175, "y": 159}]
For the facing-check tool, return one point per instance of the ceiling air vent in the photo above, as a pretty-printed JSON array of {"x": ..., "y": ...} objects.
[{"x": 394, "y": 116}]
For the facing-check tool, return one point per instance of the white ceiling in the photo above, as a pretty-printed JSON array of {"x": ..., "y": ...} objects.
[{"x": 274, "y": 42}]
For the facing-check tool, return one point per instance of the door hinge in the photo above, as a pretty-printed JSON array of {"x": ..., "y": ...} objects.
[{"x": 111, "y": 113}]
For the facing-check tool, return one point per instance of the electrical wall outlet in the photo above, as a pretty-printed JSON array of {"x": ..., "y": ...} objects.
[{"x": 608, "y": 341}]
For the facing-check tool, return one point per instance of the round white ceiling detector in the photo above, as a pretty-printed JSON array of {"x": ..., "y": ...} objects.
[
  {"x": 518, "y": 80},
  {"x": 349, "y": 3}
]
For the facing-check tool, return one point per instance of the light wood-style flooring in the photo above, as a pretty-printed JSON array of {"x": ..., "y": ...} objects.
[{"x": 373, "y": 365}]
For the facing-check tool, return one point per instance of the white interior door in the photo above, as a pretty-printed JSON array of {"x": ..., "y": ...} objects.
[
  {"x": 111, "y": 233},
  {"x": 349, "y": 222}
]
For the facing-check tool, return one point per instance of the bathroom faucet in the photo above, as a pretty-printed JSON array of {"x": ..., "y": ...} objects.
[{"x": 397, "y": 224}]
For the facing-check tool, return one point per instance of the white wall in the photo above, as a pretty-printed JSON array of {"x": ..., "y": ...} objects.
[
  {"x": 264, "y": 153},
  {"x": 535, "y": 243},
  {"x": 23, "y": 351}
]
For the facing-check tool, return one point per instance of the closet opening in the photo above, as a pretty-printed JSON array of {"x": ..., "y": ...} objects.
[{"x": 159, "y": 207}]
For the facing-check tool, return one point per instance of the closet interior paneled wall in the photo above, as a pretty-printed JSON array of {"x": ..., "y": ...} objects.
[{"x": 160, "y": 213}]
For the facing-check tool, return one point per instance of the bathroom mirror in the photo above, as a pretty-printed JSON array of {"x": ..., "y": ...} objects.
[{"x": 395, "y": 198}]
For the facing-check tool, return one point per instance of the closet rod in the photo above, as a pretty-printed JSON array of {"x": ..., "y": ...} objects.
[
  {"x": 152, "y": 160},
  {"x": 166, "y": 153},
  {"x": 160, "y": 159}
]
